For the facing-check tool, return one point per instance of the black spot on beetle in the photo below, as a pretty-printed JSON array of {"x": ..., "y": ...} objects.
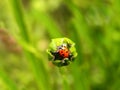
[{"x": 61, "y": 51}]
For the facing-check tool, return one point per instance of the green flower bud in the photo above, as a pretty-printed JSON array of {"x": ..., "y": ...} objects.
[{"x": 61, "y": 51}]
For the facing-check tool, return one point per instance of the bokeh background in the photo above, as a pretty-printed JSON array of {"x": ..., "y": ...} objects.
[{"x": 27, "y": 27}]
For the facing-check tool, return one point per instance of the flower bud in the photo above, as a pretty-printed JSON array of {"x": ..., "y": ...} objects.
[{"x": 61, "y": 51}]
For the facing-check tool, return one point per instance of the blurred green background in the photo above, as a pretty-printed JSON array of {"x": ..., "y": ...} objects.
[{"x": 27, "y": 27}]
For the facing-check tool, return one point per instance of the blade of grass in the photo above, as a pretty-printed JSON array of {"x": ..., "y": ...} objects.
[
  {"x": 9, "y": 83},
  {"x": 38, "y": 72},
  {"x": 81, "y": 32},
  {"x": 19, "y": 17},
  {"x": 78, "y": 21}
]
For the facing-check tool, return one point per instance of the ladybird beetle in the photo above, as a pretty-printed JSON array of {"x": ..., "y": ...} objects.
[{"x": 63, "y": 51}]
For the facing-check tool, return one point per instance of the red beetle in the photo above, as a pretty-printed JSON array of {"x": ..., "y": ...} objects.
[{"x": 63, "y": 51}]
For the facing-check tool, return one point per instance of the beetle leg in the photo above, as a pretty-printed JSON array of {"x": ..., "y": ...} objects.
[{"x": 63, "y": 61}]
